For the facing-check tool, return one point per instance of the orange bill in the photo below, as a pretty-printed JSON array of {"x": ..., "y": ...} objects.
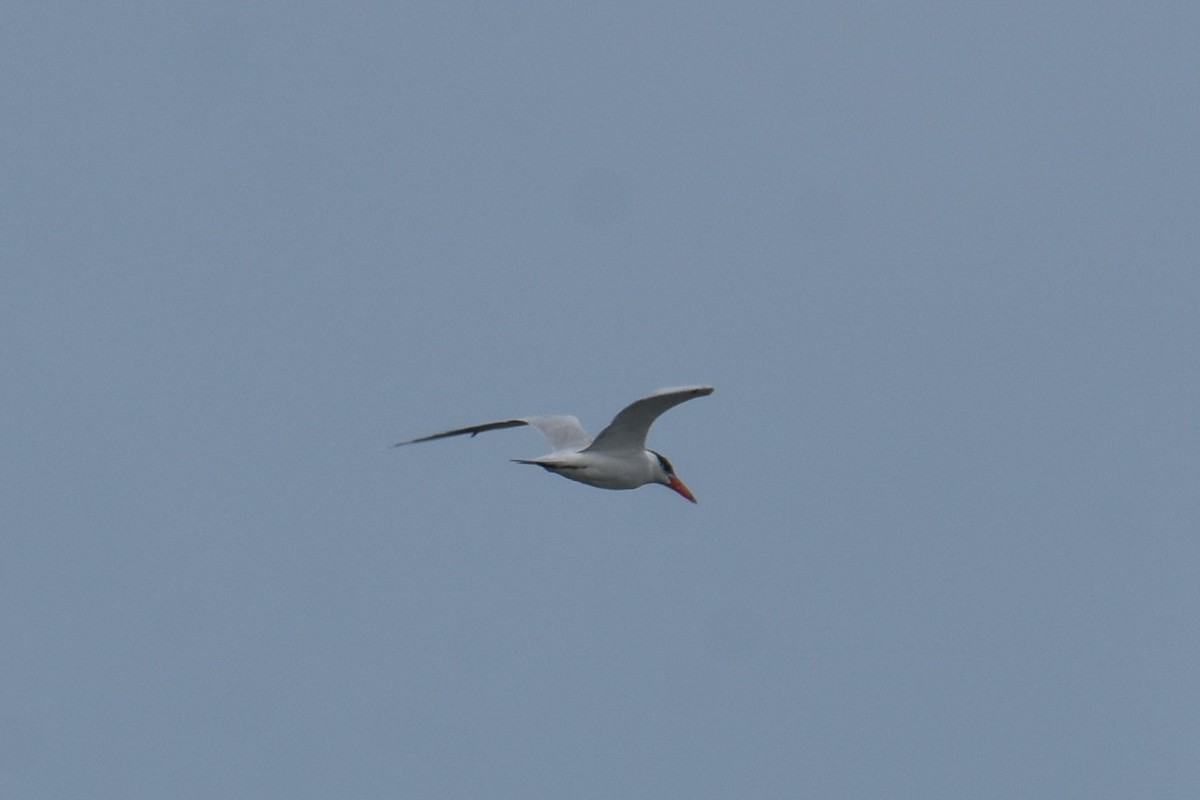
[{"x": 678, "y": 486}]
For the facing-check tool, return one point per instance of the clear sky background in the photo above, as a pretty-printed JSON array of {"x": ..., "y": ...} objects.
[{"x": 940, "y": 260}]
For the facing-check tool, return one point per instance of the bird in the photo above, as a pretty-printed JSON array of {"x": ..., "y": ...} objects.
[{"x": 616, "y": 459}]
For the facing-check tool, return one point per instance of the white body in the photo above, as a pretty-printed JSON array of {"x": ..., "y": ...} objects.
[{"x": 602, "y": 470}]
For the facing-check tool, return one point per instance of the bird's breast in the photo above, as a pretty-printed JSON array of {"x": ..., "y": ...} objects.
[{"x": 605, "y": 471}]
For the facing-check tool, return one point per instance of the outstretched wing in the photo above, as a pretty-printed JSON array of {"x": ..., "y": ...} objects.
[
  {"x": 563, "y": 433},
  {"x": 627, "y": 432},
  {"x": 473, "y": 430}
]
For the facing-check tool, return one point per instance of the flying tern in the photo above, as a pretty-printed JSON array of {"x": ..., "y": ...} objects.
[{"x": 616, "y": 459}]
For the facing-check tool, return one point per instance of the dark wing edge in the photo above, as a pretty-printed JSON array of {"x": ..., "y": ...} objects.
[{"x": 472, "y": 430}]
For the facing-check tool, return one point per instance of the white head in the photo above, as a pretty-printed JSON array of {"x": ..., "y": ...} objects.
[{"x": 664, "y": 473}]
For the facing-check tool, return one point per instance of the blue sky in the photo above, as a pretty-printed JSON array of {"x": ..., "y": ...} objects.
[{"x": 940, "y": 262}]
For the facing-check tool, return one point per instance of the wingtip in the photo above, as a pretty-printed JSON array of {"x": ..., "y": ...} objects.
[{"x": 696, "y": 391}]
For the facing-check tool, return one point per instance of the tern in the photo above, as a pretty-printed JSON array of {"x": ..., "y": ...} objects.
[{"x": 616, "y": 459}]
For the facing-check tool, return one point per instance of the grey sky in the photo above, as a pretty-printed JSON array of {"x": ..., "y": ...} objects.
[{"x": 939, "y": 260}]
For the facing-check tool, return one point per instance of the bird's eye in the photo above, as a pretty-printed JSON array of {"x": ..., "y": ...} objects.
[{"x": 662, "y": 462}]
